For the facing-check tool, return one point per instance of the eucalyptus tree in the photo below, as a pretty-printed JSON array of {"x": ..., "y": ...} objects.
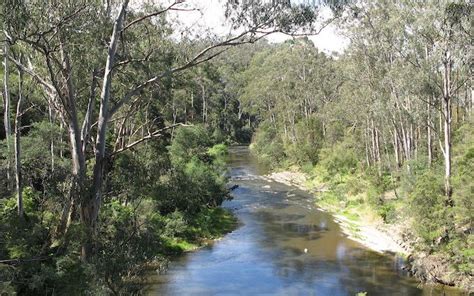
[
  {"x": 95, "y": 68},
  {"x": 453, "y": 51},
  {"x": 17, "y": 145},
  {"x": 6, "y": 100},
  {"x": 295, "y": 84}
]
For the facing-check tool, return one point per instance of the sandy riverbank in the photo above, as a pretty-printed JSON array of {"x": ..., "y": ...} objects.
[{"x": 374, "y": 235}]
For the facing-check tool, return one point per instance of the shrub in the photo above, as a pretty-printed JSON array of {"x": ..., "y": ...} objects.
[
  {"x": 339, "y": 159},
  {"x": 187, "y": 143},
  {"x": 268, "y": 145},
  {"x": 427, "y": 206},
  {"x": 388, "y": 212}
]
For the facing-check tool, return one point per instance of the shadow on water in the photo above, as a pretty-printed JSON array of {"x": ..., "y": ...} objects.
[{"x": 285, "y": 246}]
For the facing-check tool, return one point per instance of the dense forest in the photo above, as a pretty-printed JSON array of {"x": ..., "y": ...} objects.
[{"x": 115, "y": 132}]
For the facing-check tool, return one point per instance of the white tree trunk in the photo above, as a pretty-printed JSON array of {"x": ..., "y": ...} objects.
[
  {"x": 18, "y": 178},
  {"x": 91, "y": 205},
  {"x": 6, "y": 106},
  {"x": 447, "y": 122},
  {"x": 428, "y": 134}
]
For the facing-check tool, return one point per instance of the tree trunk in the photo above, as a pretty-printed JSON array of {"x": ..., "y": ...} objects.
[
  {"x": 6, "y": 106},
  {"x": 204, "y": 104},
  {"x": 396, "y": 149},
  {"x": 192, "y": 106},
  {"x": 372, "y": 138},
  {"x": 447, "y": 122},
  {"x": 428, "y": 133},
  {"x": 76, "y": 189},
  {"x": 240, "y": 110},
  {"x": 91, "y": 204},
  {"x": 51, "y": 144},
  {"x": 19, "y": 188},
  {"x": 367, "y": 159},
  {"x": 367, "y": 144}
]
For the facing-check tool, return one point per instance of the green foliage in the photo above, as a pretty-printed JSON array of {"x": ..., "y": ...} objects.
[
  {"x": 268, "y": 145},
  {"x": 189, "y": 142},
  {"x": 218, "y": 151},
  {"x": 388, "y": 212},
  {"x": 460, "y": 246},
  {"x": 340, "y": 159},
  {"x": 463, "y": 174},
  {"x": 308, "y": 141},
  {"x": 341, "y": 120},
  {"x": 191, "y": 187},
  {"x": 159, "y": 196},
  {"x": 428, "y": 207},
  {"x": 243, "y": 135},
  {"x": 26, "y": 239},
  {"x": 218, "y": 155},
  {"x": 197, "y": 179},
  {"x": 127, "y": 240},
  {"x": 210, "y": 223}
]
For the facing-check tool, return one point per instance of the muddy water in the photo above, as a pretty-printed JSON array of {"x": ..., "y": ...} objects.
[{"x": 284, "y": 246}]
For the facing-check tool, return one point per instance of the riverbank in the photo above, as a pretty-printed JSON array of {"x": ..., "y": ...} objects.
[
  {"x": 210, "y": 225},
  {"x": 206, "y": 228},
  {"x": 364, "y": 225}
]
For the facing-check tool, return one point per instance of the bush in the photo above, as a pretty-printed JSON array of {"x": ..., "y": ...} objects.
[
  {"x": 339, "y": 159},
  {"x": 44, "y": 269},
  {"x": 197, "y": 179},
  {"x": 388, "y": 212},
  {"x": 428, "y": 208},
  {"x": 243, "y": 135},
  {"x": 268, "y": 145},
  {"x": 187, "y": 143},
  {"x": 218, "y": 151}
]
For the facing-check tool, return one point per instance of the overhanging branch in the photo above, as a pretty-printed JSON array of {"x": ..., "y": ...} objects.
[{"x": 155, "y": 134}]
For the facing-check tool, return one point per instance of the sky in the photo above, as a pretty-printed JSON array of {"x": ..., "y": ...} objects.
[{"x": 208, "y": 16}]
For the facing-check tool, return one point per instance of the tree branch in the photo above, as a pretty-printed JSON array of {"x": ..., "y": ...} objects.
[
  {"x": 196, "y": 60},
  {"x": 33, "y": 74},
  {"x": 156, "y": 13},
  {"x": 155, "y": 134},
  {"x": 86, "y": 124}
]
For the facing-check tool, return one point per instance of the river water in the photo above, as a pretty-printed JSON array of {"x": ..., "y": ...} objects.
[{"x": 284, "y": 246}]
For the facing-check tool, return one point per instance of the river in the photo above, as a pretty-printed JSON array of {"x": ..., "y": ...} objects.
[{"x": 285, "y": 245}]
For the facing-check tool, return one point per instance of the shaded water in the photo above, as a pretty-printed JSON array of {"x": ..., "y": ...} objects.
[{"x": 266, "y": 254}]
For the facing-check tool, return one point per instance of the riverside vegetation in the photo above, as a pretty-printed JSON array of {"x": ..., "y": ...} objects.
[
  {"x": 112, "y": 138},
  {"x": 385, "y": 131},
  {"x": 115, "y": 131}
]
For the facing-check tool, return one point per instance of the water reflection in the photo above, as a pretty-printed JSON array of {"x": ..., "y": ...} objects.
[{"x": 266, "y": 255}]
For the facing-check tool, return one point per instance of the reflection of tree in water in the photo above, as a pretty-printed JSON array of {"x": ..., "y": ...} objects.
[{"x": 353, "y": 269}]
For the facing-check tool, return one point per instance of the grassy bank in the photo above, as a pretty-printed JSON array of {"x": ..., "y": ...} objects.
[{"x": 208, "y": 225}]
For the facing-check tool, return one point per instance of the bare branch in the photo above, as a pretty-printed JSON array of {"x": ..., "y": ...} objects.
[
  {"x": 196, "y": 60},
  {"x": 201, "y": 57},
  {"x": 155, "y": 134},
  {"x": 156, "y": 13},
  {"x": 33, "y": 74},
  {"x": 86, "y": 124}
]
